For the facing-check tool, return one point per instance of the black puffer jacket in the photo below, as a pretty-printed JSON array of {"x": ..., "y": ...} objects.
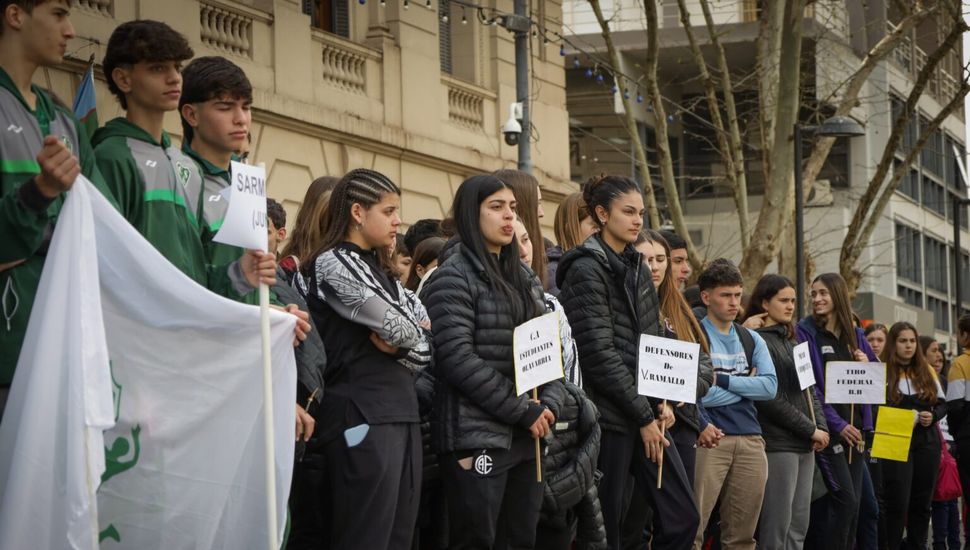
[
  {"x": 475, "y": 402},
  {"x": 311, "y": 358},
  {"x": 786, "y": 421},
  {"x": 569, "y": 467},
  {"x": 610, "y": 301},
  {"x": 424, "y": 387}
]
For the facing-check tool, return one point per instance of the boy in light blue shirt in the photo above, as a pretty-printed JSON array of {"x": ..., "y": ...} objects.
[{"x": 737, "y": 469}]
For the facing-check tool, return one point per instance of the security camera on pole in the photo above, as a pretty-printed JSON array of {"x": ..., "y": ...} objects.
[{"x": 520, "y": 24}]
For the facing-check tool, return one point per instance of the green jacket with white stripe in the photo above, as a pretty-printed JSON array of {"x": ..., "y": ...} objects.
[
  {"x": 26, "y": 225},
  {"x": 211, "y": 212},
  {"x": 157, "y": 188}
]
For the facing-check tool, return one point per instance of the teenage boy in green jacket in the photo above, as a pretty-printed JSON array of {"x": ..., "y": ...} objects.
[
  {"x": 215, "y": 108},
  {"x": 41, "y": 153},
  {"x": 156, "y": 185}
]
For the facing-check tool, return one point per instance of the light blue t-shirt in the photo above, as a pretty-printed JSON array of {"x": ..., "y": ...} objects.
[{"x": 730, "y": 403}]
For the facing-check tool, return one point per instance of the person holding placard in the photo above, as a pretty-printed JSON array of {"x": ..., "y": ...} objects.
[
  {"x": 610, "y": 300},
  {"x": 483, "y": 430},
  {"x": 155, "y": 185},
  {"x": 377, "y": 335},
  {"x": 908, "y": 486},
  {"x": 832, "y": 335},
  {"x": 736, "y": 470},
  {"x": 790, "y": 426},
  {"x": 215, "y": 107}
]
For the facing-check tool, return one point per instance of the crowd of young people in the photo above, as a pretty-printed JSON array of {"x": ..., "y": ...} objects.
[{"x": 409, "y": 430}]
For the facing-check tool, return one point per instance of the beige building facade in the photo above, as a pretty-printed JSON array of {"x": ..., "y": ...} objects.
[{"x": 381, "y": 96}]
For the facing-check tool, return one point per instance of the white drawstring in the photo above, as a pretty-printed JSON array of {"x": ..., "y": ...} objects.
[{"x": 8, "y": 291}]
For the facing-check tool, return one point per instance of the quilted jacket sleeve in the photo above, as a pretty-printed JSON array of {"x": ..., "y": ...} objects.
[
  {"x": 585, "y": 298},
  {"x": 452, "y": 315}
]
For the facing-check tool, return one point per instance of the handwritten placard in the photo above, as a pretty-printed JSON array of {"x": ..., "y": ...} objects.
[
  {"x": 538, "y": 352},
  {"x": 667, "y": 369},
  {"x": 803, "y": 366},
  {"x": 245, "y": 221},
  {"x": 854, "y": 382}
]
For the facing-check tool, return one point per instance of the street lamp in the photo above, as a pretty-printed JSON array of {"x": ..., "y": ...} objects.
[{"x": 836, "y": 126}]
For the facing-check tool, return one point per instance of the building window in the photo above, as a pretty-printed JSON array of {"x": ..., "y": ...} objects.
[
  {"x": 909, "y": 257},
  {"x": 934, "y": 196},
  {"x": 937, "y": 274},
  {"x": 932, "y": 154},
  {"x": 909, "y": 295},
  {"x": 941, "y": 313},
  {"x": 909, "y": 184},
  {"x": 332, "y": 16},
  {"x": 458, "y": 47},
  {"x": 444, "y": 35}
]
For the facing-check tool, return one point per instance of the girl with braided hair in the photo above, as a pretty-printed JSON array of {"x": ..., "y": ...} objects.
[{"x": 377, "y": 335}]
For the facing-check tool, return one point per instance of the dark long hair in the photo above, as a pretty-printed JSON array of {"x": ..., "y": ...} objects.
[
  {"x": 673, "y": 306},
  {"x": 504, "y": 273},
  {"x": 525, "y": 187},
  {"x": 603, "y": 190},
  {"x": 919, "y": 371},
  {"x": 841, "y": 308},
  {"x": 426, "y": 252},
  {"x": 766, "y": 289},
  {"x": 360, "y": 186}
]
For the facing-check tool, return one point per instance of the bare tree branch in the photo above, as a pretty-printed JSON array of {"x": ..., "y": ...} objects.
[
  {"x": 726, "y": 149},
  {"x": 653, "y": 213}
]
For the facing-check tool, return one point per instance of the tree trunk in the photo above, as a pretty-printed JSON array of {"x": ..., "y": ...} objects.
[
  {"x": 740, "y": 188},
  {"x": 850, "y": 253},
  {"x": 868, "y": 209},
  {"x": 850, "y": 98},
  {"x": 660, "y": 130},
  {"x": 769, "y": 48},
  {"x": 777, "y": 206},
  {"x": 653, "y": 214}
]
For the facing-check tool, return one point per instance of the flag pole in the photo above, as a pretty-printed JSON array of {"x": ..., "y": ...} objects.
[
  {"x": 268, "y": 413},
  {"x": 268, "y": 416}
]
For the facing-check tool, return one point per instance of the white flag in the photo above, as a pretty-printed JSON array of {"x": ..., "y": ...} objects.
[{"x": 182, "y": 466}]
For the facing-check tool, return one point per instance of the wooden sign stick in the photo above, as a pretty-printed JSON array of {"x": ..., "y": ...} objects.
[
  {"x": 535, "y": 396},
  {"x": 660, "y": 462},
  {"x": 851, "y": 422}
]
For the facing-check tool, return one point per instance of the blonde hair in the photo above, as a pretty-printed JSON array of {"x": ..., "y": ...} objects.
[{"x": 572, "y": 211}]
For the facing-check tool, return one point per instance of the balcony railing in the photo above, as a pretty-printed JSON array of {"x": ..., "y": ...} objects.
[
  {"x": 345, "y": 63},
  {"x": 101, "y": 7},
  {"x": 226, "y": 29},
  {"x": 466, "y": 103}
]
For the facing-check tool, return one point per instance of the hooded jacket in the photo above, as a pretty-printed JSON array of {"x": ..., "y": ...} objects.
[
  {"x": 476, "y": 406},
  {"x": 786, "y": 421},
  {"x": 27, "y": 219},
  {"x": 835, "y": 415},
  {"x": 157, "y": 188},
  {"x": 610, "y": 301},
  {"x": 570, "y": 467}
]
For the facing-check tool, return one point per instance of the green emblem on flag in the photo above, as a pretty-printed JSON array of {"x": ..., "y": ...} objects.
[
  {"x": 116, "y": 457},
  {"x": 183, "y": 173}
]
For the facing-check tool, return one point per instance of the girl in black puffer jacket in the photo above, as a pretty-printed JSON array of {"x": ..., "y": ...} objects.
[
  {"x": 610, "y": 300},
  {"x": 792, "y": 424},
  {"x": 482, "y": 429}
]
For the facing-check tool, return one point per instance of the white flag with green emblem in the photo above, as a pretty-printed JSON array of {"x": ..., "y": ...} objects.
[{"x": 169, "y": 431}]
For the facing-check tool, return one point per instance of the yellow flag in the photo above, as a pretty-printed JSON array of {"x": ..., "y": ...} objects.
[{"x": 894, "y": 432}]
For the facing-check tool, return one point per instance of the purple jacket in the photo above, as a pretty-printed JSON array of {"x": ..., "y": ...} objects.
[{"x": 807, "y": 332}]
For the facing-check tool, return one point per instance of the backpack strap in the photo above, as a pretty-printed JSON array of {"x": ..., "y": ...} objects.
[{"x": 747, "y": 343}]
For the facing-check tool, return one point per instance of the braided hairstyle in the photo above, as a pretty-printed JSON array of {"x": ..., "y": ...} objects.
[{"x": 361, "y": 186}]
